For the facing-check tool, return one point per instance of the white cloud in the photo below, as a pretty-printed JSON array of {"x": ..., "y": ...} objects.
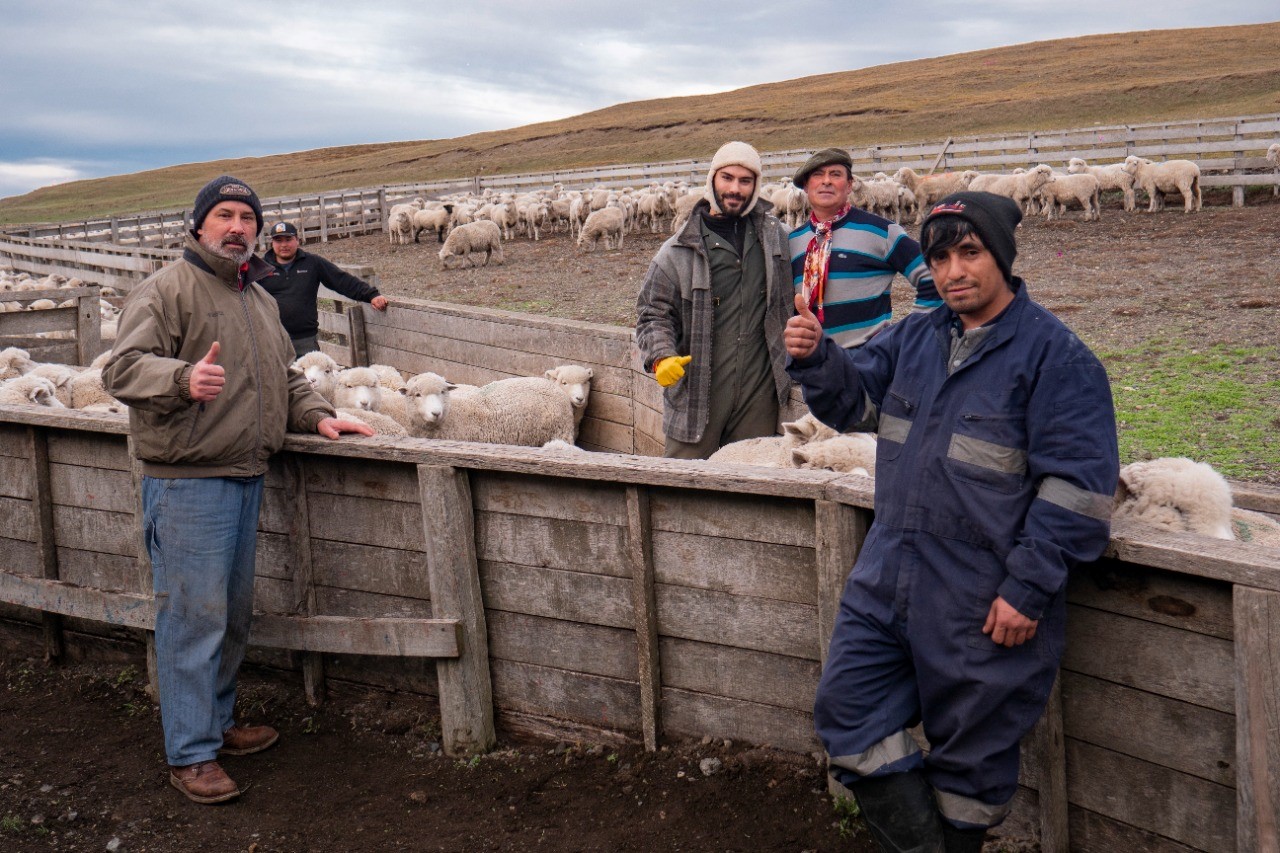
[{"x": 19, "y": 178}]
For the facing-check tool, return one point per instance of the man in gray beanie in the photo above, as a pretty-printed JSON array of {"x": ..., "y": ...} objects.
[
  {"x": 711, "y": 311},
  {"x": 202, "y": 362},
  {"x": 995, "y": 468}
]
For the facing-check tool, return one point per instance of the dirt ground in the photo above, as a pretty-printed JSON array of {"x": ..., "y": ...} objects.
[{"x": 81, "y": 760}]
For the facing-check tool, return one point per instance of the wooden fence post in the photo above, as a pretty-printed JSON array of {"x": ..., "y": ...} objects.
[
  {"x": 640, "y": 556},
  {"x": 356, "y": 338},
  {"x": 88, "y": 328},
  {"x": 1051, "y": 748},
  {"x": 448, "y": 528},
  {"x": 42, "y": 516},
  {"x": 145, "y": 584},
  {"x": 1256, "y": 618},
  {"x": 304, "y": 591},
  {"x": 839, "y": 532}
]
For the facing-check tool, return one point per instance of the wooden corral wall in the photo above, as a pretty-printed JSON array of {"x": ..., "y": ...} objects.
[
  {"x": 1230, "y": 150},
  {"x": 618, "y": 595},
  {"x": 77, "y": 327}
]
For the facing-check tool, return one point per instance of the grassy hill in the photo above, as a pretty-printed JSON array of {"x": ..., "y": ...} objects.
[{"x": 1108, "y": 79}]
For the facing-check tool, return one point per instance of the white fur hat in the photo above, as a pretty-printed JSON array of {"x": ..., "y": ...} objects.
[{"x": 733, "y": 154}]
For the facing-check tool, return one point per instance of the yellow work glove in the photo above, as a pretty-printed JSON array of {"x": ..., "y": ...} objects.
[{"x": 669, "y": 370}]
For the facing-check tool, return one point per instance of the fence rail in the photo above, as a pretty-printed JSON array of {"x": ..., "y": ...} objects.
[{"x": 1232, "y": 149}]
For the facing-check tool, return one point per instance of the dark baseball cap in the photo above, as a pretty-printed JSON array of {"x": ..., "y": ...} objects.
[{"x": 284, "y": 229}]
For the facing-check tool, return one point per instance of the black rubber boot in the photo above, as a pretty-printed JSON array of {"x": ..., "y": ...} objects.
[
  {"x": 901, "y": 812},
  {"x": 963, "y": 840}
]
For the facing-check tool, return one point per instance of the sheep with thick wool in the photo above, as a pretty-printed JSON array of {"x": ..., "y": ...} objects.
[
  {"x": 380, "y": 423},
  {"x": 1181, "y": 495},
  {"x": 87, "y": 390},
  {"x": 61, "y": 375},
  {"x": 15, "y": 362},
  {"x": 437, "y": 219},
  {"x": 465, "y": 241},
  {"x": 1110, "y": 177},
  {"x": 1273, "y": 157},
  {"x": 527, "y": 411},
  {"x": 850, "y": 453},
  {"x": 608, "y": 224},
  {"x": 1171, "y": 176},
  {"x": 929, "y": 188},
  {"x": 321, "y": 372},
  {"x": 28, "y": 390},
  {"x": 400, "y": 223},
  {"x": 573, "y": 380},
  {"x": 1020, "y": 187},
  {"x": 775, "y": 451},
  {"x": 1061, "y": 190}
]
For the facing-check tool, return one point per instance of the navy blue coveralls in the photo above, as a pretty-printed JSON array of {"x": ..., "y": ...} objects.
[{"x": 993, "y": 478}]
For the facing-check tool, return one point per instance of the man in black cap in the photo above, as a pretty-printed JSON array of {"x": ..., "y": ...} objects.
[
  {"x": 297, "y": 280},
  {"x": 995, "y": 469},
  {"x": 203, "y": 364},
  {"x": 844, "y": 259}
]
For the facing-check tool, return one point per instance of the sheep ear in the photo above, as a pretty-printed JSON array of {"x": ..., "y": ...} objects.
[
  {"x": 403, "y": 391},
  {"x": 449, "y": 386},
  {"x": 799, "y": 457},
  {"x": 590, "y": 373},
  {"x": 547, "y": 374}
]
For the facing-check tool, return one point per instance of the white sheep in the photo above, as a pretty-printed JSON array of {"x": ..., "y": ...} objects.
[
  {"x": 1110, "y": 177},
  {"x": 357, "y": 388},
  {"x": 1155, "y": 179},
  {"x": 527, "y": 411},
  {"x": 388, "y": 377},
  {"x": 1273, "y": 157},
  {"x": 575, "y": 381},
  {"x": 321, "y": 372},
  {"x": 15, "y": 362},
  {"x": 851, "y": 453},
  {"x": 1020, "y": 187},
  {"x": 435, "y": 219},
  {"x": 1175, "y": 493},
  {"x": 380, "y": 423},
  {"x": 29, "y": 390},
  {"x": 61, "y": 375},
  {"x": 878, "y": 197},
  {"x": 471, "y": 239},
  {"x": 775, "y": 451},
  {"x": 426, "y": 401},
  {"x": 87, "y": 390},
  {"x": 607, "y": 224},
  {"x": 1060, "y": 190},
  {"x": 929, "y": 188}
]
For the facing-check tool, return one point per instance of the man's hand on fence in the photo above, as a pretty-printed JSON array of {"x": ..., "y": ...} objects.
[
  {"x": 207, "y": 376},
  {"x": 379, "y": 302}
]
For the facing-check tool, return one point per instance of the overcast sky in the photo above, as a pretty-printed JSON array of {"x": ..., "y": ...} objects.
[{"x": 103, "y": 88}]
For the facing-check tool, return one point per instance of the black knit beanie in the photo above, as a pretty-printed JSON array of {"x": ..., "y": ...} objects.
[
  {"x": 224, "y": 188},
  {"x": 993, "y": 216}
]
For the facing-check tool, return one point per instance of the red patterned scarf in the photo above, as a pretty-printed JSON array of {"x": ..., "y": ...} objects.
[{"x": 817, "y": 261}]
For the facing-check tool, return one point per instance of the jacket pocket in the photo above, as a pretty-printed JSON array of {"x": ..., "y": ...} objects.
[
  {"x": 896, "y": 417},
  {"x": 989, "y": 450}
]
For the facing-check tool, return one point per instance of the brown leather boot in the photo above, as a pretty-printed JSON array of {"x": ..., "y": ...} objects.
[
  {"x": 246, "y": 740},
  {"x": 205, "y": 782}
]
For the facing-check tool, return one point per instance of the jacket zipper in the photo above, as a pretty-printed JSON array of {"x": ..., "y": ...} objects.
[{"x": 257, "y": 368}]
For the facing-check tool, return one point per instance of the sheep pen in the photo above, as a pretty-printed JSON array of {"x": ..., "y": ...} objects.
[{"x": 1124, "y": 279}]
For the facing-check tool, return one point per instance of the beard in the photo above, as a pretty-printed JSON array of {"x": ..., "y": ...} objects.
[
  {"x": 238, "y": 249},
  {"x": 737, "y": 200}
]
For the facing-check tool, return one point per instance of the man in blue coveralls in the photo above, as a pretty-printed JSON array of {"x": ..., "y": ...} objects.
[{"x": 995, "y": 471}]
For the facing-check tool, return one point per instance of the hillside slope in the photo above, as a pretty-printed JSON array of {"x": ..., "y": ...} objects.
[{"x": 1106, "y": 79}]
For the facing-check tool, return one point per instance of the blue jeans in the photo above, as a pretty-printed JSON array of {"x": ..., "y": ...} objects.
[{"x": 202, "y": 536}]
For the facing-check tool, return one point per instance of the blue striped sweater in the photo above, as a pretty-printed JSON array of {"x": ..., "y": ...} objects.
[{"x": 867, "y": 251}]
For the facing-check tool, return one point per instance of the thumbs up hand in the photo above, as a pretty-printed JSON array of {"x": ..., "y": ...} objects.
[
  {"x": 669, "y": 370},
  {"x": 803, "y": 331},
  {"x": 207, "y": 376}
]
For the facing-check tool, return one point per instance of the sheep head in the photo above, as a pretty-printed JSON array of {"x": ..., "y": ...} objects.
[
  {"x": 357, "y": 388},
  {"x": 1175, "y": 493},
  {"x": 574, "y": 380},
  {"x": 427, "y": 396}
]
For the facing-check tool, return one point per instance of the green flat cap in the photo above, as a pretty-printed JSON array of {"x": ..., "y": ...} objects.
[{"x": 825, "y": 157}]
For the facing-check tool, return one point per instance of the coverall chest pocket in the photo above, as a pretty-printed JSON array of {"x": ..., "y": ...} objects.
[
  {"x": 897, "y": 415},
  {"x": 989, "y": 450}
]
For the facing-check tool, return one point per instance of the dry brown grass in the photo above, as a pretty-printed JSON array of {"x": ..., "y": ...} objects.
[{"x": 1109, "y": 79}]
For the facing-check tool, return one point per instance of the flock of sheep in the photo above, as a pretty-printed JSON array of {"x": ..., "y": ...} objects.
[
  {"x": 14, "y": 285},
  {"x": 471, "y": 224}
]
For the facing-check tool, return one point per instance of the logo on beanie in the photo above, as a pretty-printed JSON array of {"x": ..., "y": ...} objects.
[
  {"x": 951, "y": 207},
  {"x": 235, "y": 189}
]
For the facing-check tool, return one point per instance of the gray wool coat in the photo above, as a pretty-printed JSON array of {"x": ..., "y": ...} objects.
[{"x": 675, "y": 316}]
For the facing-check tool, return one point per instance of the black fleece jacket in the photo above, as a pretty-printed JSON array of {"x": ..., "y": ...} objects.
[{"x": 295, "y": 289}]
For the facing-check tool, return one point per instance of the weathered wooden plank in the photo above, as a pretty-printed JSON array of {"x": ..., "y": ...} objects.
[
  {"x": 1257, "y": 689},
  {"x": 1095, "y": 833},
  {"x": 748, "y": 517},
  {"x": 362, "y": 479},
  {"x": 336, "y": 601},
  {"x": 114, "y": 608},
  {"x": 95, "y": 530},
  {"x": 1189, "y": 603},
  {"x": 448, "y": 528},
  {"x": 1181, "y": 807},
  {"x": 736, "y": 566},
  {"x": 15, "y": 477},
  {"x": 416, "y": 675},
  {"x": 761, "y": 677},
  {"x": 42, "y": 523},
  {"x": 366, "y": 521},
  {"x": 573, "y": 646},
  {"x": 304, "y": 594},
  {"x": 1048, "y": 743},
  {"x": 347, "y": 635},
  {"x": 111, "y": 572},
  {"x": 764, "y": 625},
  {"x": 592, "y": 699},
  {"x": 1182, "y": 665},
  {"x": 574, "y": 500},
  {"x": 1242, "y": 563},
  {"x": 1188, "y": 738},
  {"x": 16, "y": 520},
  {"x": 365, "y": 568},
  {"x": 558, "y": 594},
  {"x": 839, "y": 533},
  {"x": 644, "y": 606},
  {"x": 552, "y": 543},
  {"x": 83, "y": 449},
  {"x": 92, "y": 488},
  {"x": 698, "y": 715}
]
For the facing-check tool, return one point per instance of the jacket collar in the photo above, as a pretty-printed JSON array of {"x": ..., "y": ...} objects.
[{"x": 222, "y": 269}]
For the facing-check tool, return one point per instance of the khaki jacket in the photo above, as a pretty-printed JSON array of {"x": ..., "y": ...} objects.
[{"x": 169, "y": 322}]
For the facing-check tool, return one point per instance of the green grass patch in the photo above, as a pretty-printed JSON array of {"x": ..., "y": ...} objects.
[{"x": 1218, "y": 404}]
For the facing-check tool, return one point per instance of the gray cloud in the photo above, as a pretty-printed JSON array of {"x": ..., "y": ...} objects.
[{"x": 109, "y": 87}]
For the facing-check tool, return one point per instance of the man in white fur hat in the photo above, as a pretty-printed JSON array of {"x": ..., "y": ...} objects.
[{"x": 711, "y": 312}]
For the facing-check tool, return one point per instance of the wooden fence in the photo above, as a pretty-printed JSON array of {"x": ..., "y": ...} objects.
[
  {"x": 615, "y": 595},
  {"x": 68, "y": 335},
  {"x": 1230, "y": 150}
]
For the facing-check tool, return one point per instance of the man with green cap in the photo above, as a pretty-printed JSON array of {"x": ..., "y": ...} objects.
[
  {"x": 844, "y": 259},
  {"x": 711, "y": 311}
]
